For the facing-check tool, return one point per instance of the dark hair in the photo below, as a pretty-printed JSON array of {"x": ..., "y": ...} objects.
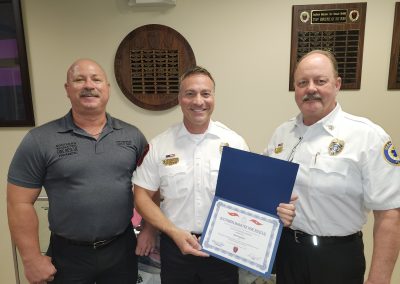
[
  {"x": 326, "y": 53},
  {"x": 193, "y": 71}
]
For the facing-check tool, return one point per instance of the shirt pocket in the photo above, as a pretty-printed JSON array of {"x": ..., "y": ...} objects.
[
  {"x": 328, "y": 175},
  {"x": 213, "y": 172},
  {"x": 174, "y": 181}
]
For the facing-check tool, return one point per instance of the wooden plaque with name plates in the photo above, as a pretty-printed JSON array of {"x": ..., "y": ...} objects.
[
  {"x": 148, "y": 64},
  {"x": 394, "y": 69},
  {"x": 338, "y": 28}
]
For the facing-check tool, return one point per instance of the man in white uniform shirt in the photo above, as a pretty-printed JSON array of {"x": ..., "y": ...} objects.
[
  {"x": 348, "y": 166},
  {"x": 182, "y": 164}
]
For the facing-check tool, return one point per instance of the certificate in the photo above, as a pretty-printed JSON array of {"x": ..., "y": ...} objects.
[
  {"x": 243, "y": 227},
  {"x": 242, "y": 236}
]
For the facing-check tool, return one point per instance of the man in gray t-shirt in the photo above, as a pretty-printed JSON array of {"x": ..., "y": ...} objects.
[{"x": 85, "y": 162}]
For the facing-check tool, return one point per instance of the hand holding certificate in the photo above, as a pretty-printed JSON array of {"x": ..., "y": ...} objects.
[{"x": 242, "y": 227}]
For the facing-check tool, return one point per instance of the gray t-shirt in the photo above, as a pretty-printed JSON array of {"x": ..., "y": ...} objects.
[{"x": 87, "y": 181}]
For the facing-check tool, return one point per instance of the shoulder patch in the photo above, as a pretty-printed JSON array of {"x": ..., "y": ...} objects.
[
  {"x": 145, "y": 151},
  {"x": 390, "y": 154}
]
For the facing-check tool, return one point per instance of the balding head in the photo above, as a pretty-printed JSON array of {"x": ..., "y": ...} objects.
[{"x": 84, "y": 61}]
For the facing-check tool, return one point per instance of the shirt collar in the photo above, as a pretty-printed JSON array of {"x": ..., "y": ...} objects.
[
  {"x": 67, "y": 123},
  {"x": 183, "y": 132},
  {"x": 329, "y": 122}
]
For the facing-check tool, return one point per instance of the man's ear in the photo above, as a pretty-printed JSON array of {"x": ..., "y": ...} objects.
[{"x": 338, "y": 83}]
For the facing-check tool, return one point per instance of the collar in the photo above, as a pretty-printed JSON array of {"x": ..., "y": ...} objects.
[
  {"x": 183, "y": 132},
  {"x": 329, "y": 123},
  {"x": 67, "y": 124}
]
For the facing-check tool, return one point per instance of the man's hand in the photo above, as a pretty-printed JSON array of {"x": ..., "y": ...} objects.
[
  {"x": 287, "y": 212},
  {"x": 146, "y": 240},
  {"x": 187, "y": 243},
  {"x": 39, "y": 270}
]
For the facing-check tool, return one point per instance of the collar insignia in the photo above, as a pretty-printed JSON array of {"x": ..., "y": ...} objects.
[{"x": 279, "y": 148}]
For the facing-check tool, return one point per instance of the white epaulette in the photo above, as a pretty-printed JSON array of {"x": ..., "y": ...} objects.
[{"x": 220, "y": 124}]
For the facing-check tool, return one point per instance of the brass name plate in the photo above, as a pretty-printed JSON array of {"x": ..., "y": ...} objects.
[{"x": 328, "y": 16}]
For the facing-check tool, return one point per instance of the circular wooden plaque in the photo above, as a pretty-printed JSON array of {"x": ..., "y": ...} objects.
[{"x": 148, "y": 64}]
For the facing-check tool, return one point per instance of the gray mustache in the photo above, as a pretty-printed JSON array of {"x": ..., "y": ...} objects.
[
  {"x": 88, "y": 93},
  {"x": 309, "y": 97}
]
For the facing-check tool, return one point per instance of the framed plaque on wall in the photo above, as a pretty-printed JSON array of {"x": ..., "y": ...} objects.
[
  {"x": 15, "y": 92},
  {"x": 338, "y": 28},
  {"x": 148, "y": 64},
  {"x": 394, "y": 69}
]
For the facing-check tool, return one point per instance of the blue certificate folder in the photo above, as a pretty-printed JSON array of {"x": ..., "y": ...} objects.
[
  {"x": 251, "y": 181},
  {"x": 255, "y": 180}
]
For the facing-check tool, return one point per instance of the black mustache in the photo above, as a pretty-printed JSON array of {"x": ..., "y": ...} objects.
[{"x": 309, "y": 97}]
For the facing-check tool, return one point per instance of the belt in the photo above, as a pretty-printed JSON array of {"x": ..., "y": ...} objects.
[
  {"x": 304, "y": 238},
  {"x": 95, "y": 244}
]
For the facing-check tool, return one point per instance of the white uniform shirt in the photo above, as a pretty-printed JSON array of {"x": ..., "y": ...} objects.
[
  {"x": 336, "y": 190},
  {"x": 185, "y": 167}
]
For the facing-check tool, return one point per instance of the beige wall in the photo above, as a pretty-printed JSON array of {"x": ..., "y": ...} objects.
[{"x": 245, "y": 44}]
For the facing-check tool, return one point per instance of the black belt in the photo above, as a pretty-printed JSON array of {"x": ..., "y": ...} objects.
[
  {"x": 95, "y": 244},
  {"x": 304, "y": 238}
]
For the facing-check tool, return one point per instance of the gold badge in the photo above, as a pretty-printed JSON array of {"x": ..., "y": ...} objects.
[
  {"x": 279, "y": 148},
  {"x": 170, "y": 160},
  {"x": 222, "y": 145},
  {"x": 336, "y": 147}
]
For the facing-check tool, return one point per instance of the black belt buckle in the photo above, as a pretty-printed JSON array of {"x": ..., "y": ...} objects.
[
  {"x": 99, "y": 244},
  {"x": 297, "y": 234}
]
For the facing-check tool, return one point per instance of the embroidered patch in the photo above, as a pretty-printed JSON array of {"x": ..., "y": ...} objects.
[
  {"x": 390, "y": 154},
  {"x": 67, "y": 149},
  {"x": 336, "y": 147},
  {"x": 124, "y": 143}
]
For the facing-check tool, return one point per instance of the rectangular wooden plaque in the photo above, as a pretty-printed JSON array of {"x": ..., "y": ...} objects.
[
  {"x": 394, "y": 69},
  {"x": 338, "y": 28}
]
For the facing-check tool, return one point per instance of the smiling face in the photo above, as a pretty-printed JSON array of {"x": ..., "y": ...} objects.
[
  {"x": 316, "y": 86},
  {"x": 87, "y": 87},
  {"x": 196, "y": 98}
]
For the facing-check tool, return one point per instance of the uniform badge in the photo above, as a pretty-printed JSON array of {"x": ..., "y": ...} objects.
[
  {"x": 336, "y": 147},
  {"x": 390, "y": 154},
  {"x": 170, "y": 160},
  {"x": 278, "y": 148},
  {"x": 222, "y": 145}
]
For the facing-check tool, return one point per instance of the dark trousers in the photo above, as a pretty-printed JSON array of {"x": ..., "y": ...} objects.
[
  {"x": 333, "y": 263},
  {"x": 113, "y": 263},
  {"x": 177, "y": 268}
]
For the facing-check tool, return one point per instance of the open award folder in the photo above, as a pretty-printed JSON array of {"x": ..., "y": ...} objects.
[{"x": 243, "y": 227}]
